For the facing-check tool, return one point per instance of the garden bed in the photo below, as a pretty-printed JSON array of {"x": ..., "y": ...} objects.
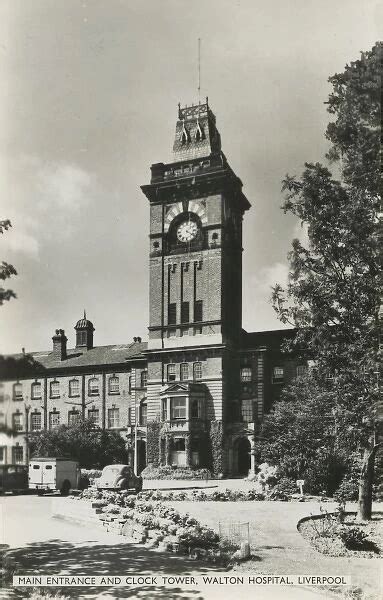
[{"x": 347, "y": 538}]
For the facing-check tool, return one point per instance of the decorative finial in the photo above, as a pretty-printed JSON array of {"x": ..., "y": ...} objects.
[{"x": 84, "y": 313}]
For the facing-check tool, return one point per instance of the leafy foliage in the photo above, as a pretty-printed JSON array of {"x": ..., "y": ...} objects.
[
  {"x": 92, "y": 447},
  {"x": 334, "y": 288},
  {"x": 216, "y": 441},
  {"x": 6, "y": 269},
  {"x": 153, "y": 442}
]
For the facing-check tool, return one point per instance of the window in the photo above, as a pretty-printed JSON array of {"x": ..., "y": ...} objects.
[
  {"x": 74, "y": 388},
  {"x": 197, "y": 371},
  {"x": 198, "y": 310},
  {"x": 247, "y": 410},
  {"x": 130, "y": 415},
  {"x": 178, "y": 407},
  {"x": 73, "y": 417},
  {"x": 144, "y": 379},
  {"x": 184, "y": 371},
  {"x": 36, "y": 391},
  {"x": 17, "y": 455},
  {"x": 54, "y": 419},
  {"x": 17, "y": 421},
  {"x": 94, "y": 415},
  {"x": 18, "y": 391},
  {"x": 301, "y": 370},
  {"x": 246, "y": 374},
  {"x": 164, "y": 409},
  {"x": 171, "y": 372},
  {"x": 113, "y": 418},
  {"x": 54, "y": 387},
  {"x": 196, "y": 409},
  {"x": 93, "y": 387},
  {"x": 278, "y": 374},
  {"x": 114, "y": 385},
  {"x": 185, "y": 312},
  {"x": 3, "y": 450},
  {"x": 143, "y": 413},
  {"x": 35, "y": 421},
  {"x": 172, "y": 314},
  {"x": 130, "y": 384}
]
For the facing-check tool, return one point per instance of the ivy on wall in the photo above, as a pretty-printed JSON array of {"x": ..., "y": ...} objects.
[
  {"x": 216, "y": 441},
  {"x": 153, "y": 443}
]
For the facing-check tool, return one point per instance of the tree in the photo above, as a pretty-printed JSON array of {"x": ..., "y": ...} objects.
[
  {"x": 334, "y": 292},
  {"x": 91, "y": 446},
  {"x": 6, "y": 269}
]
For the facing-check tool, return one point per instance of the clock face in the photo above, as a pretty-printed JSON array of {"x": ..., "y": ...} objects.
[{"x": 187, "y": 231}]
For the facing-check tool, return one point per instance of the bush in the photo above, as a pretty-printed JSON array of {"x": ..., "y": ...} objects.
[
  {"x": 285, "y": 487},
  {"x": 168, "y": 472},
  {"x": 353, "y": 538},
  {"x": 347, "y": 491}
]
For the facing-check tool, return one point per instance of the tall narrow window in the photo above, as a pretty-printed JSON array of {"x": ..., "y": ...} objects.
[
  {"x": 3, "y": 453},
  {"x": 18, "y": 391},
  {"x": 130, "y": 422},
  {"x": 94, "y": 415},
  {"x": 184, "y": 371},
  {"x": 172, "y": 314},
  {"x": 171, "y": 372},
  {"x": 164, "y": 409},
  {"x": 144, "y": 379},
  {"x": 93, "y": 387},
  {"x": 17, "y": 455},
  {"x": 54, "y": 419},
  {"x": 198, "y": 310},
  {"x": 36, "y": 391},
  {"x": 74, "y": 388},
  {"x": 114, "y": 385},
  {"x": 113, "y": 418},
  {"x": 54, "y": 388},
  {"x": 130, "y": 384},
  {"x": 36, "y": 421},
  {"x": 196, "y": 409},
  {"x": 197, "y": 371},
  {"x": 17, "y": 421},
  {"x": 185, "y": 318},
  {"x": 143, "y": 413}
]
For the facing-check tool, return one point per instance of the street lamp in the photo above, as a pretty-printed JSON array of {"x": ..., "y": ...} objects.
[{"x": 27, "y": 409}]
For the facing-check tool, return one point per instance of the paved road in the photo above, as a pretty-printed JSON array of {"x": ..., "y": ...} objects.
[{"x": 40, "y": 544}]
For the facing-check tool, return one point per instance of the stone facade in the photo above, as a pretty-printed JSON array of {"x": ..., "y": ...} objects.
[{"x": 198, "y": 365}]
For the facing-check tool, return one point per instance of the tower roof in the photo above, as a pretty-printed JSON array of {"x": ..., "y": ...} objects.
[
  {"x": 84, "y": 323},
  {"x": 196, "y": 132}
]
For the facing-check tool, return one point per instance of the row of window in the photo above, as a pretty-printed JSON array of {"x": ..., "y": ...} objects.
[
  {"x": 17, "y": 455},
  {"x": 171, "y": 372},
  {"x": 36, "y": 423},
  {"x": 185, "y": 312},
  {"x": 246, "y": 373},
  {"x": 74, "y": 387}
]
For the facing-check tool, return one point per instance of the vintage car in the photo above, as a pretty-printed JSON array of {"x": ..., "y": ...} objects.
[
  {"x": 13, "y": 478},
  {"x": 118, "y": 477}
]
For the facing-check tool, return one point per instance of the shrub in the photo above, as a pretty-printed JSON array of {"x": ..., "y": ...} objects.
[
  {"x": 353, "y": 538},
  {"x": 167, "y": 472},
  {"x": 347, "y": 491},
  {"x": 216, "y": 441},
  {"x": 285, "y": 487},
  {"x": 153, "y": 442}
]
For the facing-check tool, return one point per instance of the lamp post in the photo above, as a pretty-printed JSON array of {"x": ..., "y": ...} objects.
[
  {"x": 135, "y": 439},
  {"x": 27, "y": 409}
]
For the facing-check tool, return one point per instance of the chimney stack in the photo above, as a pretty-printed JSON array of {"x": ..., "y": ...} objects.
[{"x": 59, "y": 345}]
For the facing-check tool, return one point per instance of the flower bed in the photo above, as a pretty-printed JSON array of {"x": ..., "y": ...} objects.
[
  {"x": 202, "y": 496},
  {"x": 146, "y": 519},
  {"x": 166, "y": 472}
]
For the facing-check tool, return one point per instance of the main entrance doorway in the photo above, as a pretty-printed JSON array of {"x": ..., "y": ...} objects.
[{"x": 243, "y": 456}]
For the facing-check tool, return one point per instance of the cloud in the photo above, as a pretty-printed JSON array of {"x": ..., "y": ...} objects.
[
  {"x": 268, "y": 276},
  {"x": 17, "y": 240},
  {"x": 63, "y": 187}
]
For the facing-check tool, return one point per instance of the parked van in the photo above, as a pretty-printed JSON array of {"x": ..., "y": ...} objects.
[
  {"x": 51, "y": 474},
  {"x": 13, "y": 478}
]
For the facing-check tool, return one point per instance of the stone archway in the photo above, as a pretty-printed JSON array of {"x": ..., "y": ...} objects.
[{"x": 243, "y": 456}]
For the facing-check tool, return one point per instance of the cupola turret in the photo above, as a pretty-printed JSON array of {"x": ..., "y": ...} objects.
[{"x": 84, "y": 333}]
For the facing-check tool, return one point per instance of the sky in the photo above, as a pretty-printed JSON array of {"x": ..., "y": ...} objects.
[{"x": 88, "y": 102}]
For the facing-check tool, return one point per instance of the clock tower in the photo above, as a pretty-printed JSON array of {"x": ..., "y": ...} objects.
[{"x": 195, "y": 255}]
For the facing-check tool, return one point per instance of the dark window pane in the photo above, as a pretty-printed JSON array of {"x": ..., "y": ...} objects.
[
  {"x": 172, "y": 314},
  {"x": 198, "y": 310},
  {"x": 185, "y": 312}
]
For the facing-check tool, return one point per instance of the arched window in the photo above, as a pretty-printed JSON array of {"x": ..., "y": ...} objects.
[
  {"x": 143, "y": 413},
  {"x": 184, "y": 371},
  {"x": 197, "y": 371},
  {"x": 114, "y": 385},
  {"x": 93, "y": 387}
]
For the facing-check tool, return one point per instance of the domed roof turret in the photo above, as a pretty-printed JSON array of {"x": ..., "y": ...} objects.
[{"x": 84, "y": 323}]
